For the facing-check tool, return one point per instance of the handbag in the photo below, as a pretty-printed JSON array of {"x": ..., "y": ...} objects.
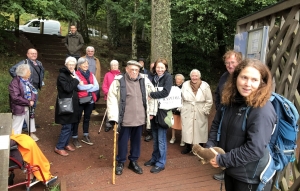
[
  {"x": 65, "y": 105},
  {"x": 164, "y": 118},
  {"x": 173, "y": 100},
  {"x": 86, "y": 99}
]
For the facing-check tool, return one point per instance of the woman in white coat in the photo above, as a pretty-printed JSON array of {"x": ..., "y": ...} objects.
[{"x": 197, "y": 102}]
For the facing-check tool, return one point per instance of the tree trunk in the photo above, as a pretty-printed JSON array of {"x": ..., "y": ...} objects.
[
  {"x": 133, "y": 34},
  {"x": 112, "y": 26},
  {"x": 161, "y": 40},
  {"x": 17, "y": 21}
]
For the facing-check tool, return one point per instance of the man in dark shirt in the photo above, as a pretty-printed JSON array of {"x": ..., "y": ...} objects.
[{"x": 231, "y": 59}]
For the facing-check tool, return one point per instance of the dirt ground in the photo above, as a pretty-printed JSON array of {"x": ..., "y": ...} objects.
[{"x": 88, "y": 157}]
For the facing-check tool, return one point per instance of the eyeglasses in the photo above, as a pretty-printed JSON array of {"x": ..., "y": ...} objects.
[{"x": 228, "y": 63}]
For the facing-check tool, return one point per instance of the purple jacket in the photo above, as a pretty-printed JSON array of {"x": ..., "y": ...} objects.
[{"x": 16, "y": 97}]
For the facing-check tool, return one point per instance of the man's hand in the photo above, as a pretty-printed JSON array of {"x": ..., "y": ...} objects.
[
  {"x": 213, "y": 162},
  {"x": 31, "y": 103},
  {"x": 151, "y": 117}
]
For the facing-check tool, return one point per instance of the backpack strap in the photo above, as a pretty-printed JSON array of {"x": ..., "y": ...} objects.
[
  {"x": 223, "y": 108},
  {"x": 246, "y": 116}
]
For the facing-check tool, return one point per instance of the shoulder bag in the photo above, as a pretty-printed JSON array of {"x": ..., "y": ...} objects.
[{"x": 65, "y": 105}]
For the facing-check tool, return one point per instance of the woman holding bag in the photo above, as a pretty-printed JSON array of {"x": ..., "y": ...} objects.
[
  {"x": 66, "y": 88},
  {"x": 87, "y": 99},
  {"x": 162, "y": 81}
]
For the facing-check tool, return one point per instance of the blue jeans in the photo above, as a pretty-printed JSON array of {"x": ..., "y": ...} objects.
[
  {"x": 65, "y": 134},
  {"x": 134, "y": 134},
  {"x": 159, "y": 155},
  {"x": 87, "y": 108}
]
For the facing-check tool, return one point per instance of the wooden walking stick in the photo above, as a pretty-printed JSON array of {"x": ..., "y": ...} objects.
[
  {"x": 102, "y": 121},
  {"x": 114, "y": 157}
]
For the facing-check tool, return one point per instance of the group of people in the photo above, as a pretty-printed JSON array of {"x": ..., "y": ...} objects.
[{"x": 132, "y": 104}]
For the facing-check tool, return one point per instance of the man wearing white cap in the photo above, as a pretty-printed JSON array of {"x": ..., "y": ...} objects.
[{"x": 128, "y": 106}]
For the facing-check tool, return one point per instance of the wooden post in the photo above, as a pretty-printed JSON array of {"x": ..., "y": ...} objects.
[{"x": 5, "y": 131}]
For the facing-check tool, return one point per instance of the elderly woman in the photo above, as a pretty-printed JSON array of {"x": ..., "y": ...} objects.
[
  {"x": 22, "y": 95},
  {"x": 179, "y": 79},
  {"x": 162, "y": 81},
  {"x": 197, "y": 102},
  {"x": 87, "y": 98},
  {"x": 108, "y": 79},
  {"x": 67, "y": 88}
]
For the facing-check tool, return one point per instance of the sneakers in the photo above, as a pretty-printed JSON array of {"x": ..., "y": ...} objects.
[
  {"x": 51, "y": 181},
  {"x": 94, "y": 112},
  {"x": 149, "y": 163},
  {"x": 172, "y": 141},
  {"x": 156, "y": 169},
  {"x": 76, "y": 143},
  {"x": 34, "y": 137},
  {"x": 219, "y": 176},
  {"x": 86, "y": 139},
  {"x": 182, "y": 144}
]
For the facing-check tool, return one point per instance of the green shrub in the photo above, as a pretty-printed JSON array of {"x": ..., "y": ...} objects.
[{"x": 5, "y": 79}]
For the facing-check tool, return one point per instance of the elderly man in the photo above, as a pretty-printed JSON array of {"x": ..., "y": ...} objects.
[
  {"x": 129, "y": 106},
  {"x": 94, "y": 67},
  {"x": 231, "y": 59},
  {"x": 74, "y": 42}
]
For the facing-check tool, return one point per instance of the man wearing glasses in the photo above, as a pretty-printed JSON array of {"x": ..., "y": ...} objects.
[{"x": 231, "y": 59}]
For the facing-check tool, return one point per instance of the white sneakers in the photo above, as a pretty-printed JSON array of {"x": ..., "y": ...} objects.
[
  {"x": 172, "y": 141},
  {"x": 182, "y": 144},
  {"x": 34, "y": 137},
  {"x": 94, "y": 112}
]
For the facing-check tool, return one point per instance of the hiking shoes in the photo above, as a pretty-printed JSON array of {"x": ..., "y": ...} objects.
[
  {"x": 86, "y": 139},
  {"x": 76, "y": 143}
]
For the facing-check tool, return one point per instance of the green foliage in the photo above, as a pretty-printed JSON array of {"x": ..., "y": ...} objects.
[
  {"x": 5, "y": 79},
  {"x": 56, "y": 187}
]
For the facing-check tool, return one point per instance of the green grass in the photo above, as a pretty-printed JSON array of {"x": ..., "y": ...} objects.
[
  {"x": 5, "y": 79},
  {"x": 56, "y": 187}
]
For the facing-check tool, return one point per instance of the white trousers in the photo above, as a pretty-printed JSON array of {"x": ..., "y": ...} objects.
[{"x": 18, "y": 120}]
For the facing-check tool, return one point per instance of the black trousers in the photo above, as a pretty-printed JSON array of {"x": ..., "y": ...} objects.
[{"x": 232, "y": 184}]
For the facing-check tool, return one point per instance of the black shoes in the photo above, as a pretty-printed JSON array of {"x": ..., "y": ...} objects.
[
  {"x": 107, "y": 129},
  {"x": 108, "y": 126},
  {"x": 149, "y": 163},
  {"x": 133, "y": 165},
  {"x": 219, "y": 177},
  {"x": 119, "y": 168},
  {"x": 187, "y": 149},
  {"x": 156, "y": 169},
  {"x": 148, "y": 138}
]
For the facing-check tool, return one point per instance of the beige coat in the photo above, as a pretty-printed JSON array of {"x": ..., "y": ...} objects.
[
  {"x": 113, "y": 100},
  {"x": 194, "y": 112}
]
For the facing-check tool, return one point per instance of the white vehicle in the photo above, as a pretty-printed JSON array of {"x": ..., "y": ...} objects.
[
  {"x": 51, "y": 27},
  {"x": 93, "y": 32}
]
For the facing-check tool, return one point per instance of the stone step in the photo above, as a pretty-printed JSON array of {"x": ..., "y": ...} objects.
[{"x": 59, "y": 55}]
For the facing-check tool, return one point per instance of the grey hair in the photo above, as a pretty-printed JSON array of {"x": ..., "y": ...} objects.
[
  {"x": 22, "y": 70},
  {"x": 180, "y": 76},
  {"x": 81, "y": 61},
  {"x": 70, "y": 59},
  {"x": 89, "y": 47},
  {"x": 114, "y": 62},
  {"x": 197, "y": 71}
]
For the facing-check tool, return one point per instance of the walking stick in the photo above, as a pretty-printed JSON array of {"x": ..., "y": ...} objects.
[
  {"x": 29, "y": 121},
  {"x": 114, "y": 157},
  {"x": 102, "y": 121}
]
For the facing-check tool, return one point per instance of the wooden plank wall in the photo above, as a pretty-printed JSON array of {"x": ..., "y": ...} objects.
[
  {"x": 283, "y": 60},
  {"x": 5, "y": 129}
]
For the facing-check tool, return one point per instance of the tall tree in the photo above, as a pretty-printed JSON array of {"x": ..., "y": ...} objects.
[{"x": 161, "y": 40}]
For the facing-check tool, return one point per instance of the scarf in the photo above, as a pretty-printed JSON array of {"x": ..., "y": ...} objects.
[
  {"x": 28, "y": 89},
  {"x": 156, "y": 78},
  {"x": 195, "y": 86},
  {"x": 86, "y": 75}
]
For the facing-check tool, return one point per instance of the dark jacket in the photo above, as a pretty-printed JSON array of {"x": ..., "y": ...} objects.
[
  {"x": 74, "y": 43},
  {"x": 220, "y": 87},
  {"x": 166, "y": 81},
  {"x": 245, "y": 150},
  {"x": 37, "y": 75},
  {"x": 16, "y": 97},
  {"x": 123, "y": 94},
  {"x": 66, "y": 88}
]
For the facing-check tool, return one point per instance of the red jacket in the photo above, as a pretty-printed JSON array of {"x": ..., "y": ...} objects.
[
  {"x": 108, "y": 79},
  {"x": 84, "y": 93}
]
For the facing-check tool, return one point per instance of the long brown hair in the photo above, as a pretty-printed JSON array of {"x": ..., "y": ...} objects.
[
  {"x": 257, "y": 98},
  {"x": 162, "y": 60}
]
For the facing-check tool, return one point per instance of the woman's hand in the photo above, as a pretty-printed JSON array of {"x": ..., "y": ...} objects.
[
  {"x": 31, "y": 103},
  {"x": 213, "y": 162},
  {"x": 81, "y": 83}
]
